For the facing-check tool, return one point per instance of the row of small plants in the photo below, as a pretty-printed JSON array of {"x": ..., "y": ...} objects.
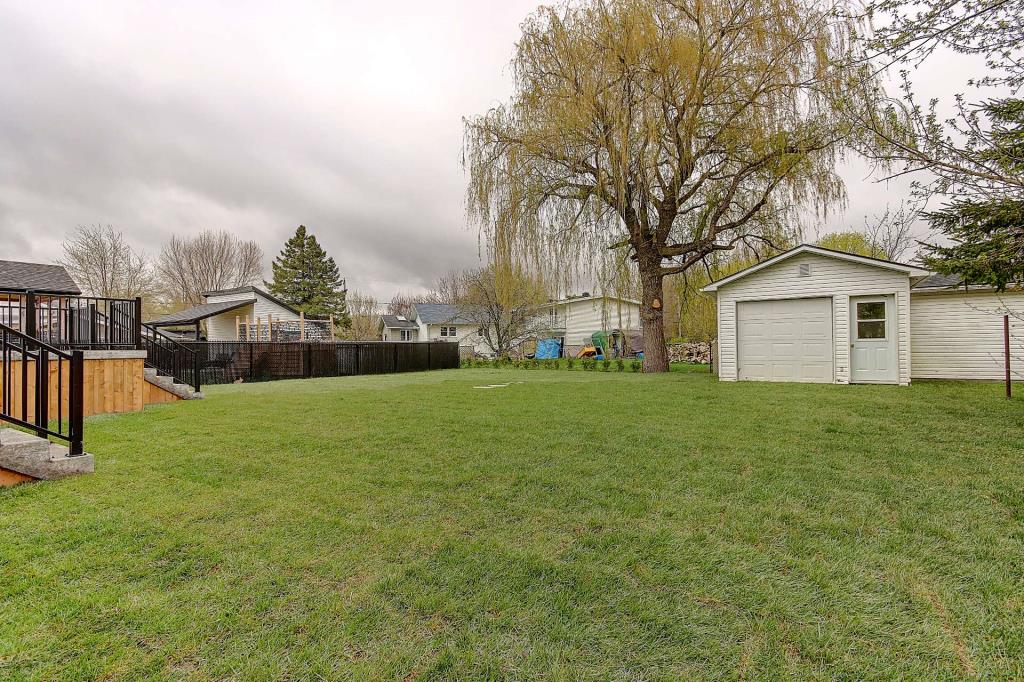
[{"x": 586, "y": 364}]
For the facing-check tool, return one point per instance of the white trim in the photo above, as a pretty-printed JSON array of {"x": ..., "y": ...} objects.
[{"x": 911, "y": 270}]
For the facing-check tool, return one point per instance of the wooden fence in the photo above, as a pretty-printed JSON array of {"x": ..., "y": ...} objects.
[{"x": 225, "y": 362}]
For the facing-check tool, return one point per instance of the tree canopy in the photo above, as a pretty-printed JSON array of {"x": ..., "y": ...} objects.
[
  {"x": 664, "y": 130},
  {"x": 308, "y": 279}
]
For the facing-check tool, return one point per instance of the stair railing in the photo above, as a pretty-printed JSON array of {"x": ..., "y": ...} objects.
[
  {"x": 169, "y": 357},
  {"x": 42, "y": 387}
]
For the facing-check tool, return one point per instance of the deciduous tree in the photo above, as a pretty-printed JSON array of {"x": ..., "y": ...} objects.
[
  {"x": 210, "y": 261},
  {"x": 104, "y": 264},
  {"x": 668, "y": 130}
]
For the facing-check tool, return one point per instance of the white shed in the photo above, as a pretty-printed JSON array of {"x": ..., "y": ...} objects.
[{"x": 816, "y": 315}]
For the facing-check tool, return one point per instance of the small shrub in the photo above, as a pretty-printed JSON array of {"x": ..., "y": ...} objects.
[
  {"x": 606, "y": 365},
  {"x": 589, "y": 364},
  {"x": 569, "y": 363},
  {"x": 534, "y": 363},
  {"x": 466, "y": 362},
  {"x": 620, "y": 365},
  {"x": 636, "y": 365},
  {"x": 496, "y": 363}
]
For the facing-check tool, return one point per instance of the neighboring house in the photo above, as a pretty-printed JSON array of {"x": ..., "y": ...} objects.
[
  {"x": 573, "y": 320},
  {"x": 444, "y": 322},
  {"x": 18, "y": 278},
  {"x": 817, "y": 315},
  {"x": 397, "y": 328},
  {"x": 228, "y": 312}
]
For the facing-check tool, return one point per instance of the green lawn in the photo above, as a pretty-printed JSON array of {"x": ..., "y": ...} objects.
[{"x": 569, "y": 525}]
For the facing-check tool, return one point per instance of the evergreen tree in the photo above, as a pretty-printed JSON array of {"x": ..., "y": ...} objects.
[
  {"x": 985, "y": 225},
  {"x": 306, "y": 278}
]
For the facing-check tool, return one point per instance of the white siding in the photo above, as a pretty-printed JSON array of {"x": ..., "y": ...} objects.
[
  {"x": 959, "y": 335},
  {"x": 832, "y": 277},
  {"x": 222, "y": 327},
  {"x": 584, "y": 316}
]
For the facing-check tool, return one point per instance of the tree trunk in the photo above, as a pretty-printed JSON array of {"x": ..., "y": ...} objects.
[{"x": 652, "y": 317}]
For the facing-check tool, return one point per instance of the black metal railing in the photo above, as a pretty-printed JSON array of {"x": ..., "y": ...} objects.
[
  {"x": 41, "y": 387},
  {"x": 84, "y": 322},
  {"x": 171, "y": 358},
  {"x": 225, "y": 362}
]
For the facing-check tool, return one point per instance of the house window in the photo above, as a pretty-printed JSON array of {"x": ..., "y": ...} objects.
[
  {"x": 448, "y": 332},
  {"x": 406, "y": 335},
  {"x": 871, "y": 320}
]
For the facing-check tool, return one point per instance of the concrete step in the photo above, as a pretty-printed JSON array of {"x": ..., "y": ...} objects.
[
  {"x": 183, "y": 391},
  {"x": 39, "y": 458}
]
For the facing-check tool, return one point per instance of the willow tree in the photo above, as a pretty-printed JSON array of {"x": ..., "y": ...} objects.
[{"x": 665, "y": 130}]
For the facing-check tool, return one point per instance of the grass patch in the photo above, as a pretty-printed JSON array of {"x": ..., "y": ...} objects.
[{"x": 576, "y": 524}]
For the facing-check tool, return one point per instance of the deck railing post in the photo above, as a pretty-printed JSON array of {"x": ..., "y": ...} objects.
[
  {"x": 29, "y": 324},
  {"x": 137, "y": 323},
  {"x": 76, "y": 393},
  {"x": 42, "y": 389}
]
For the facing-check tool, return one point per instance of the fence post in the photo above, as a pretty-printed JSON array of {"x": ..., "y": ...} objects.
[
  {"x": 306, "y": 369},
  {"x": 138, "y": 323},
  {"x": 76, "y": 393},
  {"x": 394, "y": 364},
  {"x": 196, "y": 380},
  {"x": 430, "y": 365},
  {"x": 29, "y": 325},
  {"x": 1006, "y": 354},
  {"x": 359, "y": 349},
  {"x": 250, "y": 361}
]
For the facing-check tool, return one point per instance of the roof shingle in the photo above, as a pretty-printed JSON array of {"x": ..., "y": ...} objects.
[{"x": 41, "y": 277}]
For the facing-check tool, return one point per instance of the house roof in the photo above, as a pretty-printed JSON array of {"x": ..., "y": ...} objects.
[
  {"x": 576, "y": 299},
  {"x": 397, "y": 322},
  {"x": 40, "y": 277},
  {"x": 199, "y": 312},
  {"x": 910, "y": 270},
  {"x": 251, "y": 290},
  {"x": 937, "y": 281},
  {"x": 440, "y": 313}
]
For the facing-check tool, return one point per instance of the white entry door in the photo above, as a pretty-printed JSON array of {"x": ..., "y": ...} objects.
[
  {"x": 787, "y": 340},
  {"x": 873, "y": 357}
]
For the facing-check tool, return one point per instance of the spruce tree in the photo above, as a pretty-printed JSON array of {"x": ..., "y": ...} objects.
[{"x": 306, "y": 278}]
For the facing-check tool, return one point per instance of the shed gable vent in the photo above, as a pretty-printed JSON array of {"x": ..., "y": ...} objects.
[{"x": 805, "y": 269}]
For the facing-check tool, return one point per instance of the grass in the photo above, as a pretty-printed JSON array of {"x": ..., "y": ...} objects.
[{"x": 569, "y": 525}]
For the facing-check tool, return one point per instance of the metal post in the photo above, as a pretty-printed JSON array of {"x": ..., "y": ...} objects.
[
  {"x": 76, "y": 394},
  {"x": 29, "y": 325},
  {"x": 138, "y": 323},
  {"x": 196, "y": 382},
  {"x": 93, "y": 327},
  {"x": 1006, "y": 354},
  {"x": 43, "y": 389}
]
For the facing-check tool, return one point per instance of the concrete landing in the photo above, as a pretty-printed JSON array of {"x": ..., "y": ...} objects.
[{"x": 38, "y": 458}]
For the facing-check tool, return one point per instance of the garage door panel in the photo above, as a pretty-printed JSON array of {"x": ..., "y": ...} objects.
[{"x": 786, "y": 340}]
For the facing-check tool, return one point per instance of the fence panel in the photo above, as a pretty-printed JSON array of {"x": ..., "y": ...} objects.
[{"x": 225, "y": 362}]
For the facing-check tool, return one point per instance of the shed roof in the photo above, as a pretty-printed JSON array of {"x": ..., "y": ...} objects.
[
  {"x": 199, "y": 312},
  {"x": 41, "y": 277},
  {"x": 911, "y": 270}
]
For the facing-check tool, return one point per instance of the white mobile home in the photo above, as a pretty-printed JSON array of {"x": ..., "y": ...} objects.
[{"x": 816, "y": 315}]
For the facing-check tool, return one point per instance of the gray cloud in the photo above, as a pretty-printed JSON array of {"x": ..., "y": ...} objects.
[{"x": 168, "y": 118}]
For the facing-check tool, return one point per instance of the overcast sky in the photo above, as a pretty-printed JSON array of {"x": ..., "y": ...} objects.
[{"x": 167, "y": 118}]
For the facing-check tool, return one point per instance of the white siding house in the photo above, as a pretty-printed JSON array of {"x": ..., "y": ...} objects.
[
  {"x": 816, "y": 315},
  {"x": 223, "y": 327},
  {"x": 575, "y": 319}
]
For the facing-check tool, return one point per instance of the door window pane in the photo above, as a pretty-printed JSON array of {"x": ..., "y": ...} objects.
[
  {"x": 874, "y": 310},
  {"x": 872, "y": 329}
]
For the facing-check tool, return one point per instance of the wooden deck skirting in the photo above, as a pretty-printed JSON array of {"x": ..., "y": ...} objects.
[{"x": 114, "y": 382}]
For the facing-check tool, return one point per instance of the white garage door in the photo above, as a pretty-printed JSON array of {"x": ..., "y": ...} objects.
[{"x": 789, "y": 340}]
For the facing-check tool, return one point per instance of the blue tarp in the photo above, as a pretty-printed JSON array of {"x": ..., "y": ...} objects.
[{"x": 548, "y": 349}]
